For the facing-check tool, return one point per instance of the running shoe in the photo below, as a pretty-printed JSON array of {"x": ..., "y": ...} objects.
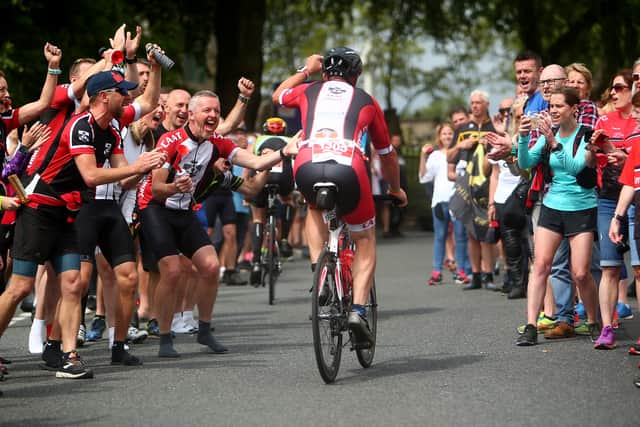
[
  {"x": 606, "y": 340},
  {"x": 436, "y": 278},
  {"x": 624, "y": 311},
  {"x": 528, "y": 337},
  {"x": 135, "y": 335},
  {"x": 153, "y": 329},
  {"x": 98, "y": 325},
  {"x": 82, "y": 335},
  {"x": 634, "y": 350},
  {"x": 73, "y": 367},
  {"x": 180, "y": 327},
  {"x": 461, "y": 278},
  {"x": 544, "y": 324},
  {"x": 52, "y": 356}
]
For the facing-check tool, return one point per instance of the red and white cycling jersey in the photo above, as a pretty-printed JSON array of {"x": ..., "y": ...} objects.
[
  {"x": 337, "y": 111},
  {"x": 186, "y": 156}
]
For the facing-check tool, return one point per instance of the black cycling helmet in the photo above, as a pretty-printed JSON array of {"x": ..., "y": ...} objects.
[{"x": 342, "y": 62}]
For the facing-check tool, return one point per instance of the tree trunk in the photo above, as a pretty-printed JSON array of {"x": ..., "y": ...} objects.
[{"x": 238, "y": 30}]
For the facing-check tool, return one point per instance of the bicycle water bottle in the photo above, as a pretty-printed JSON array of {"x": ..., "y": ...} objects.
[{"x": 346, "y": 259}]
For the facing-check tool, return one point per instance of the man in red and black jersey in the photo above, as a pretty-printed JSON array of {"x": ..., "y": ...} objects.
[
  {"x": 170, "y": 227},
  {"x": 335, "y": 117},
  {"x": 87, "y": 141}
]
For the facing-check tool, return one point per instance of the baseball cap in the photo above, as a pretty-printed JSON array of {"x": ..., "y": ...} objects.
[{"x": 108, "y": 80}]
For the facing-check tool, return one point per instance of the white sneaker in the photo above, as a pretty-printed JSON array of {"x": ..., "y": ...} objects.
[
  {"x": 192, "y": 323},
  {"x": 136, "y": 335},
  {"x": 180, "y": 327}
]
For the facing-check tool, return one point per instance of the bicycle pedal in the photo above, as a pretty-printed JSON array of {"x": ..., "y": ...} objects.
[{"x": 360, "y": 346}]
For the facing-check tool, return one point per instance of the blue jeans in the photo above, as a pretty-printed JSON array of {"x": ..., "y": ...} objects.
[
  {"x": 462, "y": 250},
  {"x": 440, "y": 228},
  {"x": 561, "y": 279}
]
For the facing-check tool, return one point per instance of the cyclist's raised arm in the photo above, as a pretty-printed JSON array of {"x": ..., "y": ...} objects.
[{"x": 312, "y": 66}]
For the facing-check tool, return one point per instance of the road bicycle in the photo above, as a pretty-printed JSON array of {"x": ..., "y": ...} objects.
[
  {"x": 271, "y": 264},
  {"x": 332, "y": 293}
]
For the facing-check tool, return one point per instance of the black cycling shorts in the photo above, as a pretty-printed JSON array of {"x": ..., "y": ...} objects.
[
  {"x": 171, "y": 231},
  {"x": 220, "y": 204},
  {"x": 100, "y": 223},
  {"x": 43, "y": 233}
]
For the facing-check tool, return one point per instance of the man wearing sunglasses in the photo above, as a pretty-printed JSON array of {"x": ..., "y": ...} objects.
[
  {"x": 636, "y": 77},
  {"x": 59, "y": 184}
]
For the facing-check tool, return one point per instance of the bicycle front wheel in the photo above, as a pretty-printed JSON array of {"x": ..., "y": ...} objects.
[
  {"x": 365, "y": 355},
  {"x": 327, "y": 319}
]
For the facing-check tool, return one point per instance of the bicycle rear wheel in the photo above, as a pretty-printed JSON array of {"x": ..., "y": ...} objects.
[
  {"x": 327, "y": 320},
  {"x": 270, "y": 271},
  {"x": 365, "y": 356}
]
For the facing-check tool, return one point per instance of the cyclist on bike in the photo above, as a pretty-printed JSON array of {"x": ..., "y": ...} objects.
[
  {"x": 281, "y": 174},
  {"x": 335, "y": 117}
]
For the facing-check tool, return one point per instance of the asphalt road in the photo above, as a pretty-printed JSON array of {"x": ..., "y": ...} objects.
[{"x": 444, "y": 357}]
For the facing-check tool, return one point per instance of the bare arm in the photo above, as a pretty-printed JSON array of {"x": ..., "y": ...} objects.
[
  {"x": 624, "y": 200},
  {"x": 236, "y": 115},
  {"x": 149, "y": 99},
  {"x": 252, "y": 186},
  {"x": 94, "y": 175},
  {"x": 451, "y": 172},
  {"x": 32, "y": 110},
  {"x": 493, "y": 184},
  {"x": 391, "y": 174},
  {"x": 312, "y": 65}
]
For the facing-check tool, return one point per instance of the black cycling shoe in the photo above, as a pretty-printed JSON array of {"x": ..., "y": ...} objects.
[{"x": 285, "y": 249}]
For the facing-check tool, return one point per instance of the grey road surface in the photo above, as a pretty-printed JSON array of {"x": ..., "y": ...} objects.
[{"x": 444, "y": 358}]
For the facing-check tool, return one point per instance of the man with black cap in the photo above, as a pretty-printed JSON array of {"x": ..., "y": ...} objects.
[{"x": 56, "y": 191}]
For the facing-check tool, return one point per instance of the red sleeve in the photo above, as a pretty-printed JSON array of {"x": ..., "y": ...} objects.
[
  {"x": 378, "y": 131},
  {"x": 61, "y": 98},
  {"x": 292, "y": 97},
  {"x": 11, "y": 119},
  {"x": 599, "y": 123},
  {"x": 225, "y": 146},
  {"x": 130, "y": 114},
  {"x": 633, "y": 162}
]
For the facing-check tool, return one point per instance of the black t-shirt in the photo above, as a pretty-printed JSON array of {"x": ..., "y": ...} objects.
[{"x": 468, "y": 130}]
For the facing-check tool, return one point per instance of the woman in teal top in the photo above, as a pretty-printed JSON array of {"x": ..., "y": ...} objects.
[{"x": 568, "y": 209}]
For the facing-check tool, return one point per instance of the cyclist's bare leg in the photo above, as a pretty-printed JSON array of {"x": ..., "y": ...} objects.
[
  {"x": 165, "y": 295},
  {"x": 364, "y": 264},
  {"x": 316, "y": 232}
]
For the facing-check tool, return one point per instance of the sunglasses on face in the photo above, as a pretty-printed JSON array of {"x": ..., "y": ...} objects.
[
  {"x": 636, "y": 77},
  {"x": 505, "y": 110},
  {"x": 619, "y": 87}
]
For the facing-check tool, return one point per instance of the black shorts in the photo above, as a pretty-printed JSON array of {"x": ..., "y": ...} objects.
[
  {"x": 285, "y": 187},
  {"x": 569, "y": 223},
  {"x": 43, "y": 233},
  {"x": 149, "y": 261},
  {"x": 171, "y": 231},
  {"x": 100, "y": 223},
  {"x": 220, "y": 204}
]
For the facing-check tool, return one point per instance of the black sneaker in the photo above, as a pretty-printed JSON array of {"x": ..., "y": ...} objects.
[
  {"x": 256, "y": 274},
  {"x": 360, "y": 330},
  {"x": 73, "y": 367},
  {"x": 233, "y": 278},
  {"x": 125, "y": 358},
  {"x": 52, "y": 356},
  {"x": 528, "y": 337}
]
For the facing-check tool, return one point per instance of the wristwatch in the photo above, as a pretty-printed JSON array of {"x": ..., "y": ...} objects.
[
  {"x": 557, "y": 148},
  {"x": 618, "y": 217}
]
